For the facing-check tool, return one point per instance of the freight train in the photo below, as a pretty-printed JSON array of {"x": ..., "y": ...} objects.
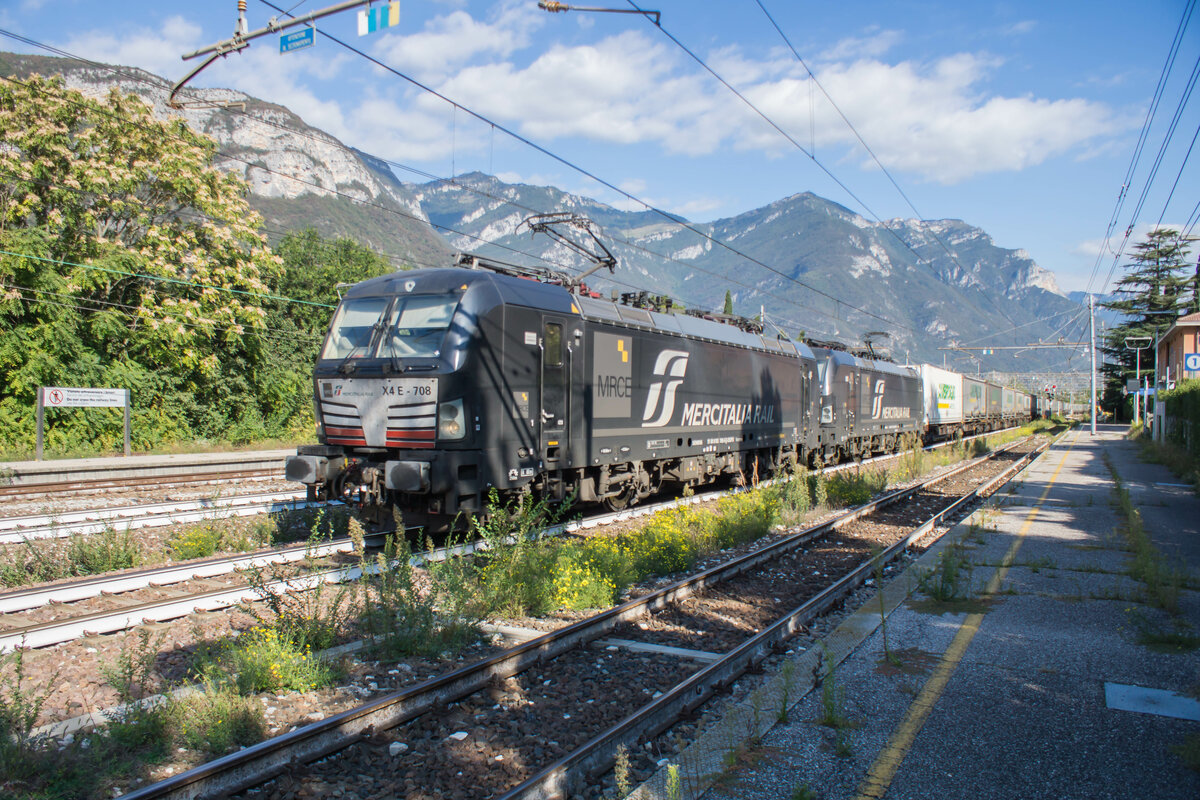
[{"x": 435, "y": 386}]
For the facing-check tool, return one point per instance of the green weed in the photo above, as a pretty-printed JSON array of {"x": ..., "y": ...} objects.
[
  {"x": 795, "y": 497},
  {"x": 1164, "y": 633},
  {"x": 950, "y": 578},
  {"x": 402, "y": 619},
  {"x": 263, "y": 660},
  {"x": 820, "y": 491},
  {"x": 674, "y": 784},
  {"x": 307, "y": 617},
  {"x": 36, "y": 561},
  {"x": 848, "y": 489},
  {"x": 1161, "y": 583},
  {"x": 106, "y": 551},
  {"x": 20, "y": 706},
  {"x": 217, "y": 720},
  {"x": 521, "y": 575},
  {"x": 801, "y": 791},
  {"x": 621, "y": 771},
  {"x": 877, "y": 569},
  {"x": 833, "y": 697}
]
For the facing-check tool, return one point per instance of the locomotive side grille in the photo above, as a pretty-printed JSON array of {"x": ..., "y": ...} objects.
[{"x": 412, "y": 425}]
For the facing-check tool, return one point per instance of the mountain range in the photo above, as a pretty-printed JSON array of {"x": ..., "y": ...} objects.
[{"x": 803, "y": 263}]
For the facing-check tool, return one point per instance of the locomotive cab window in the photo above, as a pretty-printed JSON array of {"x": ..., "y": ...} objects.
[
  {"x": 553, "y": 344},
  {"x": 353, "y": 327},
  {"x": 416, "y": 327}
]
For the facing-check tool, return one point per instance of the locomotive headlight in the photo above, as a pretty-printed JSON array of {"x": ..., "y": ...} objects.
[{"x": 451, "y": 423}]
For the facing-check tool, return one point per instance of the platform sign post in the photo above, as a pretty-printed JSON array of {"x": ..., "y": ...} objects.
[{"x": 74, "y": 397}]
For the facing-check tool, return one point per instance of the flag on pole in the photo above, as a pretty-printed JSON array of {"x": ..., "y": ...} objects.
[{"x": 378, "y": 18}]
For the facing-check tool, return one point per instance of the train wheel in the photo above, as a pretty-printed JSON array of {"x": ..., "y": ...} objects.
[{"x": 618, "y": 503}]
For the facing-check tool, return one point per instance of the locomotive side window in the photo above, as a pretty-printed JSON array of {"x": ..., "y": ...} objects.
[
  {"x": 416, "y": 327},
  {"x": 553, "y": 344},
  {"x": 352, "y": 328}
]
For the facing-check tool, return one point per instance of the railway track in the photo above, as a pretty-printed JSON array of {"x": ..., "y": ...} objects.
[
  {"x": 49, "y": 615},
  {"x": 85, "y": 475},
  {"x": 14, "y": 530},
  {"x": 89, "y": 486},
  {"x": 142, "y": 596},
  {"x": 544, "y": 718}
]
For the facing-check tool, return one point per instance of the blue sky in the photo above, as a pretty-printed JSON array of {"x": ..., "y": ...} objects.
[{"x": 1018, "y": 117}]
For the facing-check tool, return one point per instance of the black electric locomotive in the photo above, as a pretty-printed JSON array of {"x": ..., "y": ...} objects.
[
  {"x": 868, "y": 406},
  {"x": 434, "y": 386}
]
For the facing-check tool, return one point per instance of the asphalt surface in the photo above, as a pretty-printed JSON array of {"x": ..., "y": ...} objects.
[{"x": 1021, "y": 693}]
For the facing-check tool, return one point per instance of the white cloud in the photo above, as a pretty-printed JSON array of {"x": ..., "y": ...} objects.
[
  {"x": 624, "y": 89},
  {"x": 153, "y": 50},
  {"x": 873, "y": 45},
  {"x": 1108, "y": 249},
  {"x": 1022, "y": 27},
  {"x": 932, "y": 119},
  {"x": 451, "y": 41},
  {"x": 632, "y": 185}
]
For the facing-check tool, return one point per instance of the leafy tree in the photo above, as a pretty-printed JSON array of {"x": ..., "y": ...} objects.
[
  {"x": 126, "y": 259},
  {"x": 1152, "y": 293},
  {"x": 312, "y": 269},
  {"x": 728, "y": 302}
]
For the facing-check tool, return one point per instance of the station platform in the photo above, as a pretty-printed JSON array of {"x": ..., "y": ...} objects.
[
  {"x": 32, "y": 473},
  {"x": 1059, "y": 680}
]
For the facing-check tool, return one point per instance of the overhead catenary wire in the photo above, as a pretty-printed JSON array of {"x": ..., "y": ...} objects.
[
  {"x": 1143, "y": 138},
  {"x": 1178, "y": 175},
  {"x": 672, "y": 219},
  {"x": 883, "y": 168},
  {"x": 812, "y": 156},
  {"x": 325, "y": 305}
]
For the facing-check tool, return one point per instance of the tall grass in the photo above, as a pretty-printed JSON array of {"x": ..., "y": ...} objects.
[
  {"x": 1161, "y": 582},
  {"x": 37, "y": 561}
]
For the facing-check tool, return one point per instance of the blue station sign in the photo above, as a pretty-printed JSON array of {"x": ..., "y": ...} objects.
[{"x": 305, "y": 37}]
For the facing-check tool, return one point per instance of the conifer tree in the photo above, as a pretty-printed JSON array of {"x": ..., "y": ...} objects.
[{"x": 1153, "y": 292}]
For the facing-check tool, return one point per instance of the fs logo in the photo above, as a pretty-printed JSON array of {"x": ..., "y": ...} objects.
[
  {"x": 672, "y": 364},
  {"x": 877, "y": 402}
]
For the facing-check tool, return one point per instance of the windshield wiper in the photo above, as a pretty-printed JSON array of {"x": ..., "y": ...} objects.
[{"x": 345, "y": 367}]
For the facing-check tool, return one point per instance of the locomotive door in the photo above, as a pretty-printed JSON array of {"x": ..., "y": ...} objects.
[{"x": 555, "y": 387}]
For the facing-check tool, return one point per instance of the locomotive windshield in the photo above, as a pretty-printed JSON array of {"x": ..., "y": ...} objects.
[
  {"x": 413, "y": 326},
  {"x": 353, "y": 326},
  {"x": 416, "y": 327}
]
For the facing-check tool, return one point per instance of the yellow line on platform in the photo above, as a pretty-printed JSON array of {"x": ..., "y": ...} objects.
[{"x": 879, "y": 778}]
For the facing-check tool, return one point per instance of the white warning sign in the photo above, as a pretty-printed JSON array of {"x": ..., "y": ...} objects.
[{"x": 75, "y": 397}]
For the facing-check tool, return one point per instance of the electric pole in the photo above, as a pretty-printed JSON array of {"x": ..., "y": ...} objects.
[{"x": 1092, "y": 340}]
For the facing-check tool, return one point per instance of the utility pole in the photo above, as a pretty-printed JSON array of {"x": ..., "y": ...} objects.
[{"x": 1092, "y": 339}]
